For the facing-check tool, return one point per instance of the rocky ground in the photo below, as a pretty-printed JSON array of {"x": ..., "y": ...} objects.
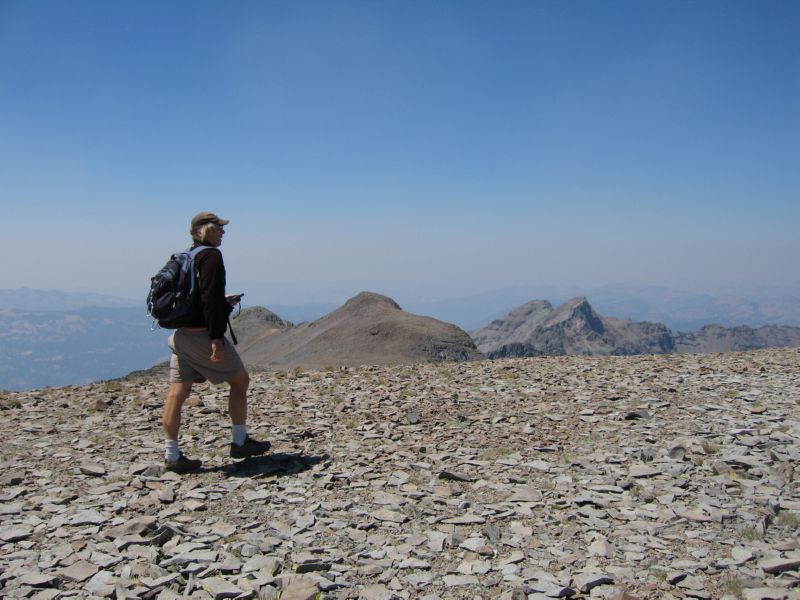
[{"x": 673, "y": 476}]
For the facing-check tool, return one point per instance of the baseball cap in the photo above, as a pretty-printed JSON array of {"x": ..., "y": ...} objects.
[{"x": 207, "y": 217}]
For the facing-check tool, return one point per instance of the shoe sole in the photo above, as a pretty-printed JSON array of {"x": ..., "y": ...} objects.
[
  {"x": 183, "y": 471},
  {"x": 251, "y": 454}
]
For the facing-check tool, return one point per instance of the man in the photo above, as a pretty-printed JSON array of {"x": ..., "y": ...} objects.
[{"x": 200, "y": 351}]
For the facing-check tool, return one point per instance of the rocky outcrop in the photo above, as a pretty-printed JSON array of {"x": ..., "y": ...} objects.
[
  {"x": 254, "y": 324},
  {"x": 575, "y": 328},
  {"x": 368, "y": 329},
  {"x": 516, "y": 328}
]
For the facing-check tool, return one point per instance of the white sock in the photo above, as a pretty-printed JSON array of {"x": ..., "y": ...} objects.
[
  {"x": 172, "y": 450},
  {"x": 239, "y": 434}
]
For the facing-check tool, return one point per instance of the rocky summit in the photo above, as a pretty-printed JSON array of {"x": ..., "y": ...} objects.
[
  {"x": 517, "y": 327},
  {"x": 368, "y": 328},
  {"x": 672, "y": 476},
  {"x": 537, "y": 329},
  {"x": 253, "y": 324},
  {"x": 574, "y": 328}
]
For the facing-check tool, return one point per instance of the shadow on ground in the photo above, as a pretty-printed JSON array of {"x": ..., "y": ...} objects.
[{"x": 278, "y": 464}]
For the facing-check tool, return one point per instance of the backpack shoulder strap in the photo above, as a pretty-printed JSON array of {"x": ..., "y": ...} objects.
[{"x": 193, "y": 252}]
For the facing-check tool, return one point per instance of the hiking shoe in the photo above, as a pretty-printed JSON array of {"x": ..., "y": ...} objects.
[
  {"x": 183, "y": 464},
  {"x": 250, "y": 447}
]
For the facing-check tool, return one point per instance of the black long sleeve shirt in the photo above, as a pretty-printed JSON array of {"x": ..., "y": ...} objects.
[{"x": 211, "y": 308}]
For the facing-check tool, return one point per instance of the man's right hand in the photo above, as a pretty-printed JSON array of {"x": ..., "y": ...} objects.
[{"x": 217, "y": 351}]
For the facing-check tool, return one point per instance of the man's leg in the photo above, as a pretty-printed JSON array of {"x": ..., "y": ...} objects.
[
  {"x": 176, "y": 396},
  {"x": 242, "y": 445},
  {"x": 174, "y": 459},
  {"x": 237, "y": 401}
]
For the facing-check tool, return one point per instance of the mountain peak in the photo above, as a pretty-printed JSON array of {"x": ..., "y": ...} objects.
[
  {"x": 369, "y": 300},
  {"x": 577, "y": 310},
  {"x": 532, "y": 307},
  {"x": 368, "y": 329},
  {"x": 259, "y": 314}
]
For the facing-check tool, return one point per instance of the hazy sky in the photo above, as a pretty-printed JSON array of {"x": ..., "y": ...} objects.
[{"x": 418, "y": 148}]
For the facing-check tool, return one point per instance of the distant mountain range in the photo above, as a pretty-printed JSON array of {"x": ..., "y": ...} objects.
[
  {"x": 52, "y": 338},
  {"x": 678, "y": 310},
  {"x": 575, "y": 328}
]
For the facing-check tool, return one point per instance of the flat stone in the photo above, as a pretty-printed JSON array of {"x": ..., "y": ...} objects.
[
  {"x": 391, "y": 516},
  {"x": 600, "y": 547},
  {"x": 437, "y": 540},
  {"x": 451, "y": 476},
  {"x": 11, "y": 508},
  {"x": 780, "y": 565},
  {"x": 414, "y": 563},
  {"x": 299, "y": 588},
  {"x": 16, "y": 533},
  {"x": 642, "y": 471},
  {"x": 766, "y": 593},
  {"x": 93, "y": 469},
  {"x": 102, "y": 583},
  {"x": 586, "y": 581},
  {"x": 413, "y": 417},
  {"x": 135, "y": 526},
  {"x": 166, "y": 494},
  {"x": 473, "y": 544},
  {"x": 542, "y": 466},
  {"x": 307, "y": 563},
  {"x": 79, "y": 571},
  {"x": 46, "y": 594},
  {"x": 200, "y": 557},
  {"x": 220, "y": 588},
  {"x": 515, "y": 557},
  {"x": 741, "y": 555},
  {"x": 466, "y": 519},
  {"x": 525, "y": 494},
  {"x": 160, "y": 581},
  {"x": 376, "y": 592},
  {"x": 691, "y": 582},
  {"x": 474, "y": 567},
  {"x": 675, "y": 577},
  {"x": 459, "y": 580},
  {"x": 88, "y": 517},
  {"x": 38, "y": 579},
  {"x": 258, "y": 495},
  {"x": 267, "y": 564}
]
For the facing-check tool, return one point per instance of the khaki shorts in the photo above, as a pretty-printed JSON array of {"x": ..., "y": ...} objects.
[{"x": 191, "y": 359}]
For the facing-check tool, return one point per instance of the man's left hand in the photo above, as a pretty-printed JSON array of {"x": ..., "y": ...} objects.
[{"x": 217, "y": 351}]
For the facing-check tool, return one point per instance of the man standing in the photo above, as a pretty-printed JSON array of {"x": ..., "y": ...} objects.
[{"x": 200, "y": 351}]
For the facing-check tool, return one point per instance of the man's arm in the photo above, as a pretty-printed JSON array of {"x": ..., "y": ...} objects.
[{"x": 212, "y": 292}]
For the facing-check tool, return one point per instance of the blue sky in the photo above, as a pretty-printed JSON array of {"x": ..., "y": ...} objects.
[{"x": 419, "y": 149}]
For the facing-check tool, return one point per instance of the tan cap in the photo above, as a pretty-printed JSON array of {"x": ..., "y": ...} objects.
[{"x": 207, "y": 217}]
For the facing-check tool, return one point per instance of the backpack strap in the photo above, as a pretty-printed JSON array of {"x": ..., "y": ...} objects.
[
  {"x": 233, "y": 335},
  {"x": 193, "y": 252},
  {"x": 194, "y": 275}
]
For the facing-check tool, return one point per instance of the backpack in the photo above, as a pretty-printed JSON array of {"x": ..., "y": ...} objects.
[{"x": 173, "y": 289}]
